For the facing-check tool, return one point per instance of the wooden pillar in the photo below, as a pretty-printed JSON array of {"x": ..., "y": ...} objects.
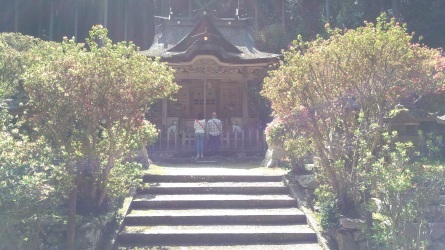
[
  {"x": 164, "y": 112},
  {"x": 245, "y": 96}
]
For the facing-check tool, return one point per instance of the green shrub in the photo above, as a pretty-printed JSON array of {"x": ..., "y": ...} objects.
[
  {"x": 330, "y": 214},
  {"x": 32, "y": 185}
]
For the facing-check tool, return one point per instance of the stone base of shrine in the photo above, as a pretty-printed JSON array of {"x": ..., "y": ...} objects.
[{"x": 182, "y": 155}]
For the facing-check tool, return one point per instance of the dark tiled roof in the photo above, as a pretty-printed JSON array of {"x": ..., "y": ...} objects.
[
  {"x": 179, "y": 40},
  {"x": 411, "y": 115}
]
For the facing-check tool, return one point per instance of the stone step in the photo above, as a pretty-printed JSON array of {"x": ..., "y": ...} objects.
[
  {"x": 286, "y": 246},
  {"x": 210, "y": 208},
  {"x": 216, "y": 188},
  {"x": 216, "y": 216},
  {"x": 212, "y": 178},
  {"x": 216, "y": 234},
  {"x": 212, "y": 201}
]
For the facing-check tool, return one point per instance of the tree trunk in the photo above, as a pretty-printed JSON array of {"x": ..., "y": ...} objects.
[
  {"x": 327, "y": 11},
  {"x": 71, "y": 230},
  {"x": 283, "y": 15},
  {"x": 396, "y": 10},
  {"x": 16, "y": 16},
  {"x": 51, "y": 22},
  {"x": 106, "y": 173},
  {"x": 76, "y": 21}
]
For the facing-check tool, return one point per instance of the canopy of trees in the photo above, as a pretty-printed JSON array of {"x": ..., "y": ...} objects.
[{"x": 133, "y": 20}]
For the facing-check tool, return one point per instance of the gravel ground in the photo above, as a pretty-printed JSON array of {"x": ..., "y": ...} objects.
[{"x": 214, "y": 166}]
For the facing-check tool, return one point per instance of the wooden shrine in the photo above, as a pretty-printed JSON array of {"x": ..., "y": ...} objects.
[{"x": 216, "y": 61}]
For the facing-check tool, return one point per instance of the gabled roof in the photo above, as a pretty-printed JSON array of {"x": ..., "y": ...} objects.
[{"x": 230, "y": 40}]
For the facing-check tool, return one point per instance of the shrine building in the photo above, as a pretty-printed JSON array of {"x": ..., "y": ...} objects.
[{"x": 215, "y": 62}]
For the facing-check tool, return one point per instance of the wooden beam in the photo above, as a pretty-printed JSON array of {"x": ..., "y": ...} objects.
[{"x": 185, "y": 76}]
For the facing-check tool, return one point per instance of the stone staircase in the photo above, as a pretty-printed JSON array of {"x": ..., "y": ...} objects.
[{"x": 215, "y": 211}]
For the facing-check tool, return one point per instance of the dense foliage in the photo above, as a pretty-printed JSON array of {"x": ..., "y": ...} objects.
[
  {"x": 32, "y": 182},
  {"x": 333, "y": 95},
  {"x": 78, "y": 121},
  {"x": 89, "y": 101},
  {"x": 405, "y": 182}
]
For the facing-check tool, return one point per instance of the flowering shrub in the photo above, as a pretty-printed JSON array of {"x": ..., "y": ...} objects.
[
  {"x": 319, "y": 92},
  {"x": 287, "y": 133},
  {"x": 90, "y": 101},
  {"x": 275, "y": 132},
  {"x": 31, "y": 186}
]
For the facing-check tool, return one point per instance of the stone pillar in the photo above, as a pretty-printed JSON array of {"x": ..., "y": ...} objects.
[{"x": 274, "y": 155}]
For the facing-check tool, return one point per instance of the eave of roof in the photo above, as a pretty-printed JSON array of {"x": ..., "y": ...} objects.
[{"x": 230, "y": 40}]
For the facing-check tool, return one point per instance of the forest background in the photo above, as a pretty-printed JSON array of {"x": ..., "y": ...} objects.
[
  {"x": 276, "y": 26},
  {"x": 54, "y": 19}
]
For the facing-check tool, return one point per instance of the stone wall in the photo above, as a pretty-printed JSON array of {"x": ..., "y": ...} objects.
[
  {"x": 351, "y": 237},
  {"x": 350, "y": 234}
]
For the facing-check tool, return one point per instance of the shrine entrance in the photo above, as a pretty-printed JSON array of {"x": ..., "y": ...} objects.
[{"x": 214, "y": 72}]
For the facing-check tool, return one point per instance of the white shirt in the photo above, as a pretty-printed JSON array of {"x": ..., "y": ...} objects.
[{"x": 198, "y": 128}]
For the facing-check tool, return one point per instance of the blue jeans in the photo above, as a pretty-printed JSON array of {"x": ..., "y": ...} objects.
[
  {"x": 214, "y": 143},
  {"x": 199, "y": 142}
]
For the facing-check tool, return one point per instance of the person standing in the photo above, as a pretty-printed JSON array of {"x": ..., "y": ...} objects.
[
  {"x": 214, "y": 133},
  {"x": 200, "y": 127}
]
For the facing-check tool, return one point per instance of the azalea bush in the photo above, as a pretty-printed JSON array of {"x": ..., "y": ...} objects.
[
  {"x": 32, "y": 180},
  {"x": 275, "y": 132},
  {"x": 13, "y": 61},
  {"x": 32, "y": 185},
  {"x": 406, "y": 182},
  {"x": 282, "y": 132},
  {"x": 336, "y": 94},
  {"x": 88, "y": 101}
]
